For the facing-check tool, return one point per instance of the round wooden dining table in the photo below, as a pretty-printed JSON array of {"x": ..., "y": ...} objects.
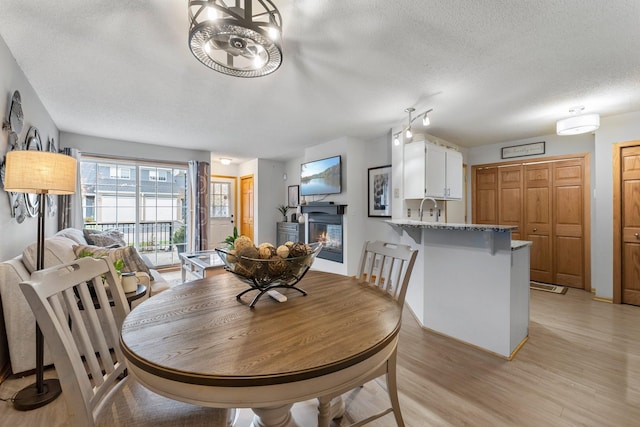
[{"x": 197, "y": 343}]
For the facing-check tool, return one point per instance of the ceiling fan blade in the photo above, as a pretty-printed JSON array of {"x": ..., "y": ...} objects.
[{"x": 223, "y": 42}]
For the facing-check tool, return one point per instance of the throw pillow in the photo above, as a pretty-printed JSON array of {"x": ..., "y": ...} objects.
[
  {"x": 128, "y": 254},
  {"x": 104, "y": 238},
  {"x": 74, "y": 234},
  {"x": 56, "y": 251}
]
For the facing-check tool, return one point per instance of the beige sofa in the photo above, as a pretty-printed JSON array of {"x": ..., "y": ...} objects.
[{"x": 18, "y": 318}]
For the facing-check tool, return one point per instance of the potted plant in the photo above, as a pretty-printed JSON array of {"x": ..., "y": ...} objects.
[
  {"x": 283, "y": 209},
  {"x": 230, "y": 240},
  {"x": 179, "y": 238}
]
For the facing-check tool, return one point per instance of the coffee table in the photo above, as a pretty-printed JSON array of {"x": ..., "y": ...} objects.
[{"x": 201, "y": 264}]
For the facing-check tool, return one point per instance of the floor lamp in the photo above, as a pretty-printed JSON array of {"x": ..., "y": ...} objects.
[{"x": 41, "y": 173}]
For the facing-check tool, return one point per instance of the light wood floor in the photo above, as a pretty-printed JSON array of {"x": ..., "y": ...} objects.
[{"x": 580, "y": 367}]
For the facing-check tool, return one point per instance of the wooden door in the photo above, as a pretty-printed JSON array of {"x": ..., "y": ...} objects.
[
  {"x": 537, "y": 229},
  {"x": 485, "y": 203},
  {"x": 246, "y": 206},
  {"x": 510, "y": 199},
  {"x": 568, "y": 223},
  {"x": 630, "y": 224}
]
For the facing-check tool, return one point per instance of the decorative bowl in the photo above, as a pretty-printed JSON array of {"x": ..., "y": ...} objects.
[{"x": 263, "y": 273}]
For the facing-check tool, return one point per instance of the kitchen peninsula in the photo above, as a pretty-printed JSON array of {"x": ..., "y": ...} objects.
[{"x": 470, "y": 282}]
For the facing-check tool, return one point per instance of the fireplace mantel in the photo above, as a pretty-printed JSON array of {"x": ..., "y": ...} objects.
[{"x": 323, "y": 209}]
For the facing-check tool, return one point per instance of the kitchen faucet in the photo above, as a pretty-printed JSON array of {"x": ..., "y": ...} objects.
[{"x": 435, "y": 207}]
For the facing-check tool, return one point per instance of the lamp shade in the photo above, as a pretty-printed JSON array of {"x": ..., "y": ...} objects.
[
  {"x": 576, "y": 125},
  {"x": 40, "y": 172}
]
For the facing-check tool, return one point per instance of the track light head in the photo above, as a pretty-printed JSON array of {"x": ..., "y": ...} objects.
[{"x": 408, "y": 134}]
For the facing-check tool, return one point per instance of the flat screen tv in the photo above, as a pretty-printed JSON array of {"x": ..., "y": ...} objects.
[{"x": 322, "y": 176}]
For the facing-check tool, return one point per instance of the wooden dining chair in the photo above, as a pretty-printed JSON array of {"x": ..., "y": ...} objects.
[
  {"x": 93, "y": 376},
  {"x": 388, "y": 267}
]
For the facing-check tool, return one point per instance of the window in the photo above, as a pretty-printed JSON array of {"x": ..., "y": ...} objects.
[
  {"x": 145, "y": 200},
  {"x": 220, "y": 200},
  {"x": 158, "y": 175},
  {"x": 89, "y": 208},
  {"x": 116, "y": 172}
]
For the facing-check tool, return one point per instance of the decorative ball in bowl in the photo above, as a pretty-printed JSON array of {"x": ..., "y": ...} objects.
[{"x": 266, "y": 264}]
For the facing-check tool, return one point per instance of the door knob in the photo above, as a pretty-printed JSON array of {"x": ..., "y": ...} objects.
[
  {"x": 637, "y": 235},
  {"x": 535, "y": 229}
]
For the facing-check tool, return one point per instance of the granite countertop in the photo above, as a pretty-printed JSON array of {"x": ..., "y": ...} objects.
[
  {"x": 412, "y": 223},
  {"x": 519, "y": 244}
]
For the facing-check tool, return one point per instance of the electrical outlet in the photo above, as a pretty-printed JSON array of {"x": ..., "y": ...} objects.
[{"x": 396, "y": 193}]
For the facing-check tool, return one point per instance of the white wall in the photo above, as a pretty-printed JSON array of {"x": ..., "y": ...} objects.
[
  {"x": 218, "y": 168},
  {"x": 15, "y": 237},
  {"x": 621, "y": 128},
  {"x": 269, "y": 192},
  {"x": 554, "y": 146},
  {"x": 357, "y": 157},
  {"x": 118, "y": 148}
]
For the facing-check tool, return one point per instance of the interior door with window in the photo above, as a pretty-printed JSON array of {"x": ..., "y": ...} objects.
[{"x": 222, "y": 209}]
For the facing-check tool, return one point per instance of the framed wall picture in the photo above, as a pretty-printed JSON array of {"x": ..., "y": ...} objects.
[
  {"x": 294, "y": 196},
  {"x": 380, "y": 191},
  {"x": 531, "y": 149}
]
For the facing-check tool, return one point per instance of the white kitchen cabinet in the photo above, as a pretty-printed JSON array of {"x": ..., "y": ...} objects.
[
  {"x": 414, "y": 170},
  {"x": 454, "y": 175},
  {"x": 432, "y": 171}
]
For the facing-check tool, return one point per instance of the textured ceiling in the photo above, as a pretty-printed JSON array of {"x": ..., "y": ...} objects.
[{"x": 492, "y": 70}]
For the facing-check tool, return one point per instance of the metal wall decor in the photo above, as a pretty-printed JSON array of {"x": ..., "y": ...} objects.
[
  {"x": 16, "y": 118},
  {"x": 51, "y": 199},
  {"x": 22, "y": 204},
  {"x": 32, "y": 142},
  {"x": 13, "y": 124}
]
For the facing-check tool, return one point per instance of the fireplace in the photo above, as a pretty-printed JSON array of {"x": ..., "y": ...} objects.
[{"x": 326, "y": 226}]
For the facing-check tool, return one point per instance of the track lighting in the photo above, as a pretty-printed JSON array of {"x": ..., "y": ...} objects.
[
  {"x": 408, "y": 132},
  {"x": 425, "y": 119}
]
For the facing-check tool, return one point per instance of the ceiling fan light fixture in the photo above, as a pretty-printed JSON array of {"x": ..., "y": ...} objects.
[
  {"x": 578, "y": 123},
  {"x": 241, "y": 41},
  {"x": 212, "y": 14}
]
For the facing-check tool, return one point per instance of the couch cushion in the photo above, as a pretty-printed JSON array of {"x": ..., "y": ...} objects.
[
  {"x": 128, "y": 254},
  {"x": 104, "y": 238},
  {"x": 57, "y": 250},
  {"x": 18, "y": 318},
  {"x": 73, "y": 234}
]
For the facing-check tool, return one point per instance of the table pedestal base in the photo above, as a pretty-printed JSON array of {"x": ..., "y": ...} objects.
[
  {"x": 330, "y": 410},
  {"x": 279, "y": 416}
]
